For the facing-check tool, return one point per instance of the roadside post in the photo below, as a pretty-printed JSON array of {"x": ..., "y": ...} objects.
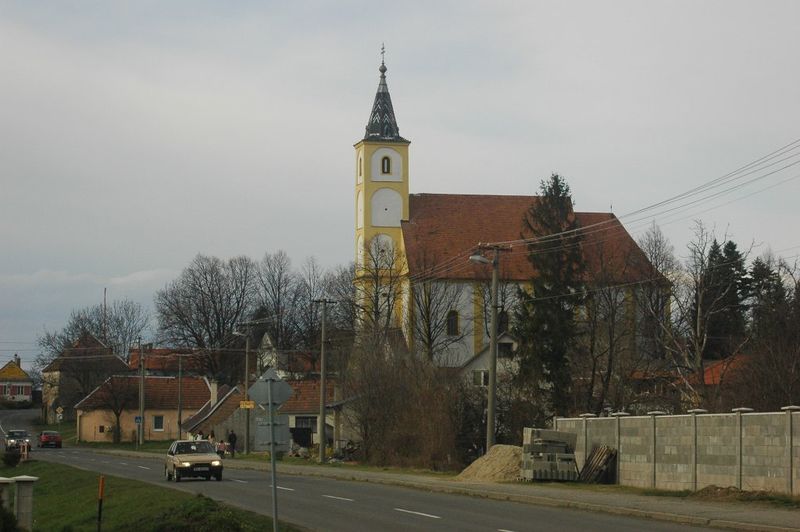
[
  {"x": 270, "y": 391},
  {"x": 100, "y": 490}
]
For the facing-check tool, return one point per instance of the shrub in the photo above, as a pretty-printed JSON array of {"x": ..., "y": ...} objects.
[{"x": 11, "y": 458}]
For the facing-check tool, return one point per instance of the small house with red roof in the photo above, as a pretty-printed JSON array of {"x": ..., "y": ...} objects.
[
  {"x": 16, "y": 386},
  {"x": 115, "y": 403}
]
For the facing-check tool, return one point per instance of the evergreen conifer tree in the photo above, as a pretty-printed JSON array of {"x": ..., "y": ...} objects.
[{"x": 545, "y": 317}]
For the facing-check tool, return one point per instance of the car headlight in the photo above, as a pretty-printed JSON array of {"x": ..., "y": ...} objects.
[
  {"x": 12, "y": 442},
  {"x": 186, "y": 464},
  {"x": 215, "y": 463}
]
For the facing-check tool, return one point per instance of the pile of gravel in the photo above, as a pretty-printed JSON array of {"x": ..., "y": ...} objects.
[{"x": 500, "y": 464}]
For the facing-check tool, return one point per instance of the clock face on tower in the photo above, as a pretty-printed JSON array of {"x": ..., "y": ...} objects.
[{"x": 386, "y": 207}]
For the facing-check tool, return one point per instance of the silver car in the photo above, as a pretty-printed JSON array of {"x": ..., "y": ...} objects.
[{"x": 192, "y": 458}]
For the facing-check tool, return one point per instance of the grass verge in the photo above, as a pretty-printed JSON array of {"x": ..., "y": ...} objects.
[
  {"x": 65, "y": 499},
  {"x": 709, "y": 493}
]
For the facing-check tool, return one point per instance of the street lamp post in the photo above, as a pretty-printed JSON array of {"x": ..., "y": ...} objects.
[{"x": 491, "y": 406}]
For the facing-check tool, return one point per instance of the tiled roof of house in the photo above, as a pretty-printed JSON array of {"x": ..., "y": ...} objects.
[
  {"x": 166, "y": 359},
  {"x": 443, "y": 227},
  {"x": 305, "y": 396},
  {"x": 11, "y": 372},
  {"x": 159, "y": 392},
  {"x": 90, "y": 349},
  {"x": 212, "y": 415}
]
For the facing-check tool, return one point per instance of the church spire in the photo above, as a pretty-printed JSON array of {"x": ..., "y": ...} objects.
[{"x": 382, "y": 125}]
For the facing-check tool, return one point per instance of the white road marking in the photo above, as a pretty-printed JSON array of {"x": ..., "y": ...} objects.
[
  {"x": 124, "y": 463},
  {"x": 282, "y": 488},
  {"x": 417, "y": 513},
  {"x": 237, "y": 480},
  {"x": 142, "y": 467},
  {"x": 504, "y": 530},
  {"x": 338, "y": 498}
]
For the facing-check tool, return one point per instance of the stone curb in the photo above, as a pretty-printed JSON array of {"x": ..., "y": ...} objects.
[{"x": 437, "y": 487}]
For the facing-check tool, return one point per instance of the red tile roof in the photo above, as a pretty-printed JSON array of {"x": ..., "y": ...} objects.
[
  {"x": 166, "y": 359},
  {"x": 716, "y": 372},
  {"x": 159, "y": 392},
  {"x": 90, "y": 349},
  {"x": 305, "y": 396},
  {"x": 449, "y": 226}
]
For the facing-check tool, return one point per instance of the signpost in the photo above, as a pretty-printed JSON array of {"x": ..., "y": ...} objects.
[{"x": 271, "y": 391}]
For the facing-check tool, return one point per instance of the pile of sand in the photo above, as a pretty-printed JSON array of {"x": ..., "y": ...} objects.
[{"x": 500, "y": 464}]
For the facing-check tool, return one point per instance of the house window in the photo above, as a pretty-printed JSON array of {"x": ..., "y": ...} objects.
[
  {"x": 452, "y": 323},
  {"x": 158, "y": 423},
  {"x": 502, "y": 322},
  {"x": 101, "y": 429},
  {"x": 306, "y": 422},
  {"x": 504, "y": 350},
  {"x": 386, "y": 165},
  {"x": 480, "y": 377}
]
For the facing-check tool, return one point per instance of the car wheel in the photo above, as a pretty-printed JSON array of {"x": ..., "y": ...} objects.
[
  {"x": 208, "y": 477},
  {"x": 177, "y": 476},
  {"x": 58, "y": 446},
  {"x": 167, "y": 474},
  {"x": 218, "y": 476}
]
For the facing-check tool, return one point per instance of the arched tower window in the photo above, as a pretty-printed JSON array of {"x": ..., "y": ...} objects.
[
  {"x": 452, "y": 323},
  {"x": 386, "y": 165},
  {"x": 502, "y": 322}
]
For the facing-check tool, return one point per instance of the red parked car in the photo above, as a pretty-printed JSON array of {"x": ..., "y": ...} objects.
[{"x": 50, "y": 438}]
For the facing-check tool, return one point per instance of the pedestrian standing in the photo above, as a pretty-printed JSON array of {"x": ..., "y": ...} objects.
[{"x": 232, "y": 443}]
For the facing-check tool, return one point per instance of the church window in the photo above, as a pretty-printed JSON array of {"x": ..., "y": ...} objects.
[
  {"x": 480, "y": 377},
  {"x": 452, "y": 323},
  {"x": 502, "y": 322},
  {"x": 386, "y": 165}
]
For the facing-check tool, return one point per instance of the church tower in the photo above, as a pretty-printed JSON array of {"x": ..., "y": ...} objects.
[{"x": 381, "y": 191}]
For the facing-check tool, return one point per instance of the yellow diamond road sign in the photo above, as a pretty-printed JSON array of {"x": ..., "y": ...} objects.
[
  {"x": 247, "y": 404},
  {"x": 59, "y": 410}
]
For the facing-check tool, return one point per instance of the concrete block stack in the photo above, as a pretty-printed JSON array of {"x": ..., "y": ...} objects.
[{"x": 548, "y": 455}]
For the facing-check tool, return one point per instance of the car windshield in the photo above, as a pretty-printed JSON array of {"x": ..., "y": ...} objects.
[
  {"x": 50, "y": 433},
  {"x": 17, "y": 434},
  {"x": 195, "y": 447}
]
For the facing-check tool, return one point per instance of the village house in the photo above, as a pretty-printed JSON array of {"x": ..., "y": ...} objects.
[
  {"x": 76, "y": 371},
  {"x": 16, "y": 386},
  {"x": 116, "y": 400}
]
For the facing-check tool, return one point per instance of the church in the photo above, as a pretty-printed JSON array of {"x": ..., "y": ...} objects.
[{"x": 405, "y": 240}]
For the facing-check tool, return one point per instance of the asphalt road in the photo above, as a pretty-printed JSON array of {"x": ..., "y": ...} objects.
[{"x": 337, "y": 505}]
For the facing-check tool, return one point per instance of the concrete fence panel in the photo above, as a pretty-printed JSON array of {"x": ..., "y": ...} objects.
[
  {"x": 752, "y": 451},
  {"x": 636, "y": 458},
  {"x": 674, "y": 448}
]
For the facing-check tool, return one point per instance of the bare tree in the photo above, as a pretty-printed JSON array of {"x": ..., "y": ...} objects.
[
  {"x": 434, "y": 319},
  {"x": 203, "y": 305},
  {"x": 310, "y": 287},
  {"x": 118, "y": 325},
  {"x": 116, "y": 394},
  {"x": 379, "y": 289},
  {"x": 695, "y": 302},
  {"x": 276, "y": 297}
]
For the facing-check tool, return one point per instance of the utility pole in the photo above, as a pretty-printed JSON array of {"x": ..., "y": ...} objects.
[
  {"x": 140, "y": 427},
  {"x": 248, "y": 325},
  {"x": 247, "y": 393},
  {"x": 491, "y": 406},
  {"x": 180, "y": 396},
  {"x": 322, "y": 384}
]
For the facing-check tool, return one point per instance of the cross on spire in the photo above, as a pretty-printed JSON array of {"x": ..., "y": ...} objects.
[{"x": 383, "y": 52}]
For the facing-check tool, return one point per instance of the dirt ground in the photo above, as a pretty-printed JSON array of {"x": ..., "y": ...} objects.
[{"x": 500, "y": 464}]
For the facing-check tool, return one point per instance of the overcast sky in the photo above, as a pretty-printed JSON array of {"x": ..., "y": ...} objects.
[{"x": 134, "y": 135}]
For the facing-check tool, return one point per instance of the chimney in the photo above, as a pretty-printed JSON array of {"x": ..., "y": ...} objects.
[
  {"x": 213, "y": 386},
  {"x": 17, "y": 360}
]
